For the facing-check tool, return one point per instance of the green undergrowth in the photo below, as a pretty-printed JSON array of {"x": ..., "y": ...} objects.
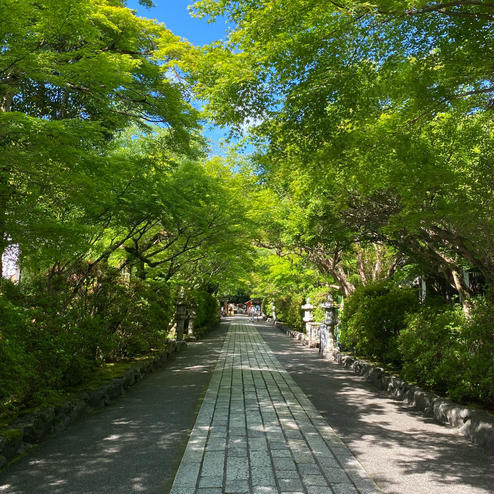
[{"x": 98, "y": 377}]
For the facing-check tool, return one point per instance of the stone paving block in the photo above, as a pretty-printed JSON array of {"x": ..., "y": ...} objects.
[
  {"x": 237, "y": 430},
  {"x": 216, "y": 444},
  {"x": 237, "y": 487},
  {"x": 277, "y": 444},
  {"x": 293, "y": 434},
  {"x": 264, "y": 489},
  {"x": 284, "y": 464},
  {"x": 219, "y": 430},
  {"x": 365, "y": 485},
  {"x": 336, "y": 475},
  {"x": 314, "y": 480},
  {"x": 342, "y": 489},
  {"x": 317, "y": 489},
  {"x": 287, "y": 474},
  {"x": 193, "y": 455},
  {"x": 262, "y": 476},
  {"x": 290, "y": 484},
  {"x": 303, "y": 457},
  {"x": 309, "y": 468},
  {"x": 343, "y": 454},
  {"x": 256, "y": 432},
  {"x": 236, "y": 469},
  {"x": 216, "y": 481},
  {"x": 275, "y": 438},
  {"x": 206, "y": 491},
  {"x": 181, "y": 490},
  {"x": 328, "y": 462},
  {"x": 187, "y": 475},
  {"x": 213, "y": 464},
  {"x": 281, "y": 453},
  {"x": 260, "y": 459},
  {"x": 237, "y": 450}
]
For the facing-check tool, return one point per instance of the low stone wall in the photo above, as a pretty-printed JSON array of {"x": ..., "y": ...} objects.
[
  {"x": 476, "y": 425},
  {"x": 34, "y": 428}
]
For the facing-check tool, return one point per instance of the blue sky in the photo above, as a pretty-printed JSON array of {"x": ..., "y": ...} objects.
[{"x": 175, "y": 15}]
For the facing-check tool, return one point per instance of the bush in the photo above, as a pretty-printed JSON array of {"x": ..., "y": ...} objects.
[
  {"x": 16, "y": 369},
  {"x": 207, "y": 312},
  {"x": 52, "y": 339},
  {"x": 373, "y": 318},
  {"x": 450, "y": 353},
  {"x": 287, "y": 310},
  {"x": 317, "y": 297},
  {"x": 143, "y": 312}
]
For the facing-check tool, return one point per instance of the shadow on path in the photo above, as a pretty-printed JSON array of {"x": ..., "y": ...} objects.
[
  {"x": 132, "y": 446},
  {"x": 402, "y": 451}
]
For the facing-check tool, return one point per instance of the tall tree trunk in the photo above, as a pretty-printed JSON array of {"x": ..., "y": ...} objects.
[
  {"x": 376, "y": 273},
  {"x": 360, "y": 265},
  {"x": 342, "y": 278},
  {"x": 463, "y": 294}
]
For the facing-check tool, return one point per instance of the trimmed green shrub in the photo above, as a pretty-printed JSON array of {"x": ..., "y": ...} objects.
[
  {"x": 52, "y": 338},
  {"x": 373, "y": 318},
  {"x": 450, "y": 353},
  {"x": 207, "y": 312},
  {"x": 288, "y": 310},
  {"x": 145, "y": 310}
]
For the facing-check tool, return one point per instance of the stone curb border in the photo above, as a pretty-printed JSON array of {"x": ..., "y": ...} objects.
[
  {"x": 38, "y": 426},
  {"x": 476, "y": 425}
]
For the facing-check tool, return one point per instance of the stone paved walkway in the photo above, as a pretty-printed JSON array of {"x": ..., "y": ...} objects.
[{"x": 257, "y": 432}]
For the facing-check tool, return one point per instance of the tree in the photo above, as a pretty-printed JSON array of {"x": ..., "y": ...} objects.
[
  {"x": 382, "y": 108},
  {"x": 71, "y": 75}
]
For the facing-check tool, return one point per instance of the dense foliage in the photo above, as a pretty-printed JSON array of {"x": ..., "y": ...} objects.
[
  {"x": 373, "y": 318},
  {"x": 369, "y": 128},
  {"x": 454, "y": 355},
  {"x": 106, "y": 193},
  {"x": 371, "y": 123}
]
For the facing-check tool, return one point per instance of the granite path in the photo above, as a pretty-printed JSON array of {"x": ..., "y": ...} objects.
[{"x": 257, "y": 432}]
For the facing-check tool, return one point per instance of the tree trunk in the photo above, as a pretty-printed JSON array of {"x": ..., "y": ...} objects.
[
  {"x": 360, "y": 265},
  {"x": 376, "y": 273},
  {"x": 463, "y": 294},
  {"x": 346, "y": 285}
]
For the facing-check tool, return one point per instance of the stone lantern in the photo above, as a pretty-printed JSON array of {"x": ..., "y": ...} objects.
[
  {"x": 308, "y": 308},
  {"x": 274, "y": 313},
  {"x": 328, "y": 328},
  {"x": 192, "y": 318},
  {"x": 181, "y": 313}
]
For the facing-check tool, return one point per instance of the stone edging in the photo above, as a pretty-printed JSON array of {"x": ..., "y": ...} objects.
[
  {"x": 34, "y": 428},
  {"x": 476, "y": 425}
]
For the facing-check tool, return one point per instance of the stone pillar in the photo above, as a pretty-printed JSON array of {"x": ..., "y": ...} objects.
[
  {"x": 308, "y": 308},
  {"x": 192, "y": 318},
  {"x": 315, "y": 335},
  {"x": 328, "y": 328},
  {"x": 181, "y": 313}
]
